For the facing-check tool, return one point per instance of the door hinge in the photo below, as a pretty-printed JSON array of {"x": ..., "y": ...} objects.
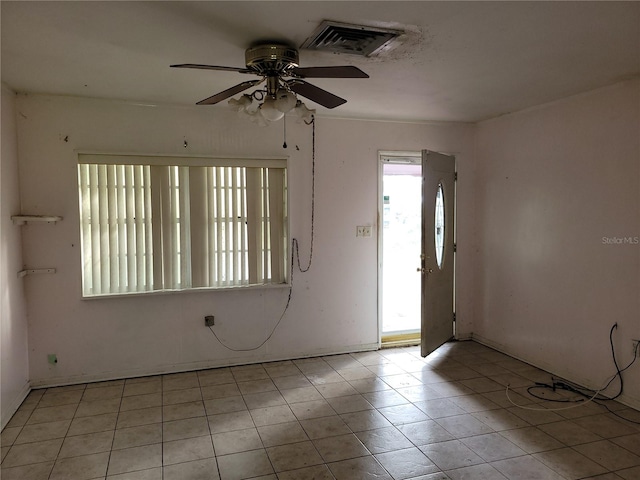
[
  {"x": 455, "y": 177},
  {"x": 455, "y": 247},
  {"x": 454, "y": 316}
]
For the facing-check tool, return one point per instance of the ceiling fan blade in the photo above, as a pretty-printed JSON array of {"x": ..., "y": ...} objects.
[
  {"x": 212, "y": 67},
  {"x": 315, "y": 94},
  {"x": 344, "y": 71},
  {"x": 229, "y": 92}
]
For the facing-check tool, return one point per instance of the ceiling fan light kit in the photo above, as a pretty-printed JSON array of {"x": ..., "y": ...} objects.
[
  {"x": 277, "y": 64},
  {"x": 271, "y": 109}
]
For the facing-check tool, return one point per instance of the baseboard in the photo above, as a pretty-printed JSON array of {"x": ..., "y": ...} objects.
[
  {"x": 191, "y": 366},
  {"x": 559, "y": 372},
  {"x": 15, "y": 404}
]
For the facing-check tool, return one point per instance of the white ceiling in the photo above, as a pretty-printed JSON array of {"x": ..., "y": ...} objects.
[{"x": 461, "y": 61}]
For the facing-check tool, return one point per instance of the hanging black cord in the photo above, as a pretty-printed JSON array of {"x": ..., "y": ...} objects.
[
  {"x": 585, "y": 393},
  {"x": 294, "y": 242},
  {"x": 294, "y": 248},
  {"x": 615, "y": 362}
]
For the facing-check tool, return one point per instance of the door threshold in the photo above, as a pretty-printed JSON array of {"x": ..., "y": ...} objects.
[{"x": 400, "y": 340}]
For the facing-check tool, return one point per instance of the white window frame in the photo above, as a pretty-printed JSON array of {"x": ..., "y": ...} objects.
[{"x": 188, "y": 234}]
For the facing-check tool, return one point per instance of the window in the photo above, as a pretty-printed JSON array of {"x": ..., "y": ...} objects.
[
  {"x": 439, "y": 225},
  {"x": 169, "y": 223}
]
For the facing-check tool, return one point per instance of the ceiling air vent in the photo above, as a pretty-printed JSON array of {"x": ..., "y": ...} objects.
[{"x": 352, "y": 39}]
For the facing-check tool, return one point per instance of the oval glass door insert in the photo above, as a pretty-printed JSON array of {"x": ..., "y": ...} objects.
[{"x": 439, "y": 225}]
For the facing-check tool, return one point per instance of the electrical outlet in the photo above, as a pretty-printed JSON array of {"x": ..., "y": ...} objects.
[
  {"x": 363, "y": 231},
  {"x": 209, "y": 321}
]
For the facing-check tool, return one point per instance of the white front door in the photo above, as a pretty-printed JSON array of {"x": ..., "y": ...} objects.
[{"x": 437, "y": 261}]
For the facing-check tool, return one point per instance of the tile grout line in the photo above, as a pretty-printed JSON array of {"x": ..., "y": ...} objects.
[
  {"x": 115, "y": 428},
  {"x": 204, "y": 408}
]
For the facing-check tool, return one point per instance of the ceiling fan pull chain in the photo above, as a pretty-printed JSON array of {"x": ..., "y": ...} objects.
[{"x": 284, "y": 126}]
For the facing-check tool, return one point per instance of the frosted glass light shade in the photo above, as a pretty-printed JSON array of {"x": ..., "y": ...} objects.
[
  {"x": 241, "y": 104},
  {"x": 303, "y": 113},
  {"x": 270, "y": 111},
  {"x": 285, "y": 100},
  {"x": 257, "y": 118}
]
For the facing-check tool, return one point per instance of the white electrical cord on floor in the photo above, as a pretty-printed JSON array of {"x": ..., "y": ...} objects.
[
  {"x": 524, "y": 407},
  {"x": 577, "y": 389}
]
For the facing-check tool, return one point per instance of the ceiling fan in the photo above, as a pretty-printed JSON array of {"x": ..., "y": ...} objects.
[{"x": 277, "y": 64}]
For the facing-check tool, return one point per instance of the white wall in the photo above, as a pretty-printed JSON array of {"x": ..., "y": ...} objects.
[
  {"x": 14, "y": 383},
  {"x": 334, "y": 305},
  {"x": 552, "y": 182}
]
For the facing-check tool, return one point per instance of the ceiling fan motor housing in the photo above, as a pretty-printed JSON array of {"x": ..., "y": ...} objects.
[{"x": 271, "y": 59}]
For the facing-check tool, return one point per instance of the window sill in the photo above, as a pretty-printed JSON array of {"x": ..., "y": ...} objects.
[{"x": 198, "y": 290}]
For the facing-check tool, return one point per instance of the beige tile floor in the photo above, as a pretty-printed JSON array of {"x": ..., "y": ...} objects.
[{"x": 373, "y": 415}]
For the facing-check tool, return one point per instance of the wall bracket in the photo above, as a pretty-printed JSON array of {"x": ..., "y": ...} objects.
[
  {"x": 35, "y": 271},
  {"x": 22, "y": 219}
]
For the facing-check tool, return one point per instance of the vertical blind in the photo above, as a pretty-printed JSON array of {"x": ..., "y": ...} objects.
[{"x": 149, "y": 225}]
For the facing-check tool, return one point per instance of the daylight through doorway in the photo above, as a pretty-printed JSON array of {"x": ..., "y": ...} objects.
[{"x": 401, "y": 237}]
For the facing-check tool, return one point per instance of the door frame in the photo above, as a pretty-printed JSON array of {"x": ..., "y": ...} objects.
[{"x": 417, "y": 155}]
